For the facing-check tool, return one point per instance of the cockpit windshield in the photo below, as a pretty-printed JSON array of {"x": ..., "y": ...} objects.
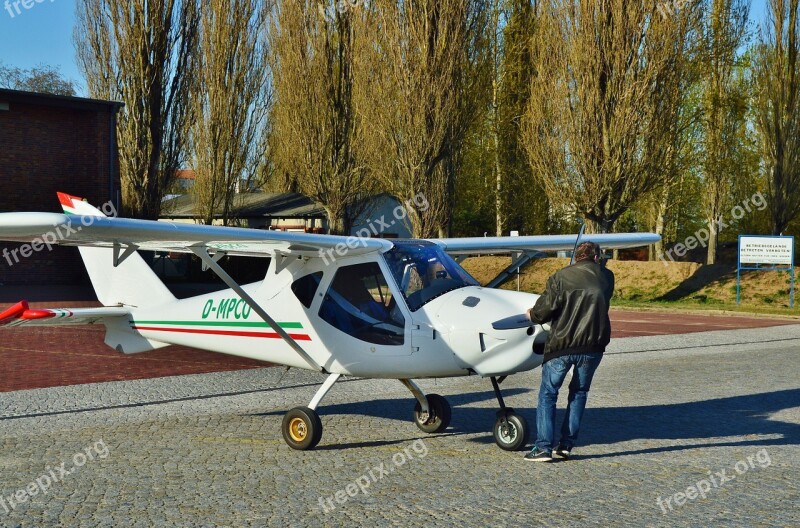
[{"x": 423, "y": 272}]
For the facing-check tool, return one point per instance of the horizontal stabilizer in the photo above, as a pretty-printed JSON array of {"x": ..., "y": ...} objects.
[{"x": 22, "y": 315}]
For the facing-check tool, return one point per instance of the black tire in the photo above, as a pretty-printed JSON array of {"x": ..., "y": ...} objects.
[
  {"x": 510, "y": 431},
  {"x": 302, "y": 428},
  {"x": 439, "y": 417}
]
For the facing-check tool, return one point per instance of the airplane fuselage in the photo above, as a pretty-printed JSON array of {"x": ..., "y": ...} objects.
[{"x": 355, "y": 316}]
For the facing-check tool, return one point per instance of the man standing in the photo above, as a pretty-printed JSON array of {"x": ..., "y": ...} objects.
[{"x": 575, "y": 303}]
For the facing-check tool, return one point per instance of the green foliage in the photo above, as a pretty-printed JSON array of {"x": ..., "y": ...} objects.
[
  {"x": 495, "y": 143},
  {"x": 715, "y": 137}
]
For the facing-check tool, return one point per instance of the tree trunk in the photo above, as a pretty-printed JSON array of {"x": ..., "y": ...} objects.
[
  {"x": 657, "y": 249},
  {"x": 711, "y": 256},
  {"x": 336, "y": 222},
  {"x": 498, "y": 197},
  {"x": 498, "y": 191}
]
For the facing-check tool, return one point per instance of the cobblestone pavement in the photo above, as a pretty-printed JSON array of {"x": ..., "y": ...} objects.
[{"x": 667, "y": 415}]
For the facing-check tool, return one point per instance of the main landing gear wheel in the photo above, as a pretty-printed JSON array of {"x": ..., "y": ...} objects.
[
  {"x": 510, "y": 430},
  {"x": 302, "y": 428},
  {"x": 439, "y": 417}
]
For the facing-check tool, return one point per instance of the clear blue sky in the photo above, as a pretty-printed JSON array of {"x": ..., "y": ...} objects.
[{"x": 43, "y": 34}]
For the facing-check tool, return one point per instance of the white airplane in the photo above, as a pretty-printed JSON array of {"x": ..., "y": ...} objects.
[{"x": 400, "y": 309}]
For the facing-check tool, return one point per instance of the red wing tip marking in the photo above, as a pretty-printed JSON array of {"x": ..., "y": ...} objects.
[
  {"x": 15, "y": 312},
  {"x": 31, "y": 315}
]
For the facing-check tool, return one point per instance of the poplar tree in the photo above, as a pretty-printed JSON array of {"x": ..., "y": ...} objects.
[
  {"x": 230, "y": 101},
  {"x": 141, "y": 53},
  {"x": 776, "y": 75}
]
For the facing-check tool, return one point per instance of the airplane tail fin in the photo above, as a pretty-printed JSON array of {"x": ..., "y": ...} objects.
[{"x": 131, "y": 283}]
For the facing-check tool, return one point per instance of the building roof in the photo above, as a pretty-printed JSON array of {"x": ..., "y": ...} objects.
[
  {"x": 62, "y": 101},
  {"x": 185, "y": 174},
  {"x": 251, "y": 205}
]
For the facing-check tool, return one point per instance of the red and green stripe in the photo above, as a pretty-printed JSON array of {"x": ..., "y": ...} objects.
[{"x": 221, "y": 328}]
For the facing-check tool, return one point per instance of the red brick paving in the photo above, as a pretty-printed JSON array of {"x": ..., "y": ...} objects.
[
  {"x": 37, "y": 357},
  {"x": 626, "y": 323},
  {"x": 49, "y": 357},
  {"x": 57, "y": 356}
]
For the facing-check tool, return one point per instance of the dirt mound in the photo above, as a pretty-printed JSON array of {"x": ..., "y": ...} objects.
[{"x": 484, "y": 269}]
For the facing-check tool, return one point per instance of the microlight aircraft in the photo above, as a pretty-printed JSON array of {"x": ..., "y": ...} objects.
[{"x": 399, "y": 309}]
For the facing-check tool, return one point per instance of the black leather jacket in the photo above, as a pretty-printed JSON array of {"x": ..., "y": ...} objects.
[{"x": 575, "y": 303}]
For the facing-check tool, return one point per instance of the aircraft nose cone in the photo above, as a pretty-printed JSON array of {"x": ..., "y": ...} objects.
[{"x": 505, "y": 346}]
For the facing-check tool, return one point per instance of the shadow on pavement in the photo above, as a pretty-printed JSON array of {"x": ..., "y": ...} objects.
[{"x": 738, "y": 416}]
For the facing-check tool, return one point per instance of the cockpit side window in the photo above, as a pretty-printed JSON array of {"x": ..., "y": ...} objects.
[
  {"x": 359, "y": 303},
  {"x": 306, "y": 287}
]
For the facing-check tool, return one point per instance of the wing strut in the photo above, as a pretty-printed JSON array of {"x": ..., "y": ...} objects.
[
  {"x": 209, "y": 261},
  {"x": 519, "y": 260}
]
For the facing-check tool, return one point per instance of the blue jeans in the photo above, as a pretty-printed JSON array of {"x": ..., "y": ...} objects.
[{"x": 553, "y": 374}]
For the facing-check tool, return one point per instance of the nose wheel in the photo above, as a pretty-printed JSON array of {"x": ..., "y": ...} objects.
[{"x": 510, "y": 429}]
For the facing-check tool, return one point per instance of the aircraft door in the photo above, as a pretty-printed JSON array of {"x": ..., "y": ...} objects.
[
  {"x": 423, "y": 336},
  {"x": 360, "y": 303}
]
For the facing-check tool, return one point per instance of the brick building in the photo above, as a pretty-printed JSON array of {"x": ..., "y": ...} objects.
[{"x": 51, "y": 143}]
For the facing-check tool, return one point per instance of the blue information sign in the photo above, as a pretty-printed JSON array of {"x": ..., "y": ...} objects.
[{"x": 765, "y": 253}]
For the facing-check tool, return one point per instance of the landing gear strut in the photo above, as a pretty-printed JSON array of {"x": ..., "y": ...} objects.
[{"x": 510, "y": 429}]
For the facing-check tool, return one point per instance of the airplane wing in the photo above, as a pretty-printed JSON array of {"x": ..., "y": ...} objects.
[
  {"x": 20, "y": 314},
  {"x": 47, "y": 229},
  {"x": 84, "y": 225},
  {"x": 467, "y": 246}
]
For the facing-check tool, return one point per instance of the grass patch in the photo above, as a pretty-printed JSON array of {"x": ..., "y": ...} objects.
[{"x": 684, "y": 306}]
